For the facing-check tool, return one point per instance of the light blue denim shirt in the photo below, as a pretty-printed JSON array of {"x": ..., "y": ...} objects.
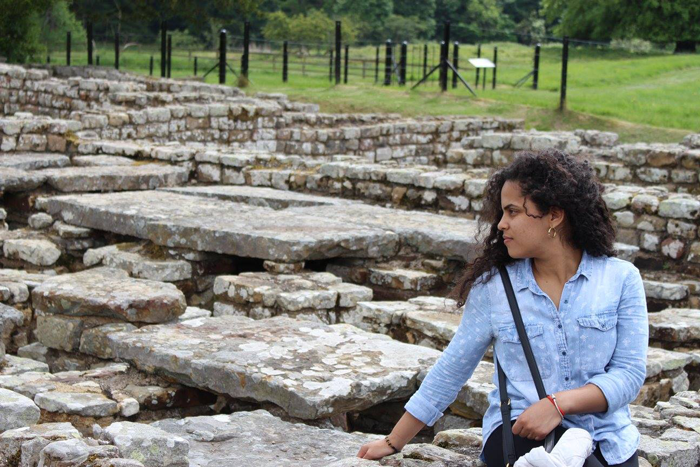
[{"x": 599, "y": 336}]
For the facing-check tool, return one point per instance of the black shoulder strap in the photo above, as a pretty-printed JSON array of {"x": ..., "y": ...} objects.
[{"x": 508, "y": 443}]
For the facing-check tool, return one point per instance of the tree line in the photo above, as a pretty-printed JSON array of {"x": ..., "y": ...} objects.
[{"x": 27, "y": 26}]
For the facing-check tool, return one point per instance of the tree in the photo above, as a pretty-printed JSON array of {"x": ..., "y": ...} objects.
[
  {"x": 654, "y": 20},
  {"x": 369, "y": 15},
  {"x": 21, "y": 28},
  {"x": 401, "y": 28},
  {"x": 473, "y": 20}
]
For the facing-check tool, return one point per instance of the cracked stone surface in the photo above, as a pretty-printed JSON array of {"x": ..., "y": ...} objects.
[
  {"x": 16, "y": 410},
  {"x": 675, "y": 327},
  {"x": 33, "y": 161},
  {"x": 309, "y": 369},
  {"x": 203, "y": 224},
  {"x": 25, "y": 444},
  {"x": 148, "y": 444},
  {"x": 109, "y": 293}
]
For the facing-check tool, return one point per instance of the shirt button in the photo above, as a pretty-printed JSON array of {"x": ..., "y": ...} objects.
[
  {"x": 566, "y": 379},
  {"x": 559, "y": 326},
  {"x": 566, "y": 301},
  {"x": 563, "y": 353}
]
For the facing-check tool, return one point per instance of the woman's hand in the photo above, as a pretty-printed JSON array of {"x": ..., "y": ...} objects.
[
  {"x": 375, "y": 450},
  {"x": 537, "y": 421}
]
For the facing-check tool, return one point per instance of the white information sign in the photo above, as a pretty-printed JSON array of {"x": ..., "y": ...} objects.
[{"x": 481, "y": 63}]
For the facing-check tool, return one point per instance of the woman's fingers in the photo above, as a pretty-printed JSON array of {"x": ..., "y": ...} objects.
[{"x": 363, "y": 451}]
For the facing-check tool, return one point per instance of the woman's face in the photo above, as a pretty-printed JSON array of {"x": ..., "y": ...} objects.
[{"x": 524, "y": 236}]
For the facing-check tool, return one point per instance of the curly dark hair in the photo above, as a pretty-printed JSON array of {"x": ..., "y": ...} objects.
[{"x": 549, "y": 178}]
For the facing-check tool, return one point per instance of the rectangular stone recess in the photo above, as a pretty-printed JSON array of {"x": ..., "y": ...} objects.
[
  {"x": 311, "y": 370},
  {"x": 223, "y": 227},
  {"x": 260, "y": 196}
]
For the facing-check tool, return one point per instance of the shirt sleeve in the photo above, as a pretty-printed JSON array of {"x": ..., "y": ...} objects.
[
  {"x": 626, "y": 371},
  {"x": 457, "y": 363}
]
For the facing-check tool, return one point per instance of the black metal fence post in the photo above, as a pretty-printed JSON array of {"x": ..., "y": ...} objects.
[
  {"x": 97, "y": 61},
  {"x": 170, "y": 55},
  {"x": 445, "y": 57},
  {"x": 425, "y": 60},
  {"x": 564, "y": 66},
  {"x": 163, "y": 51},
  {"x": 376, "y": 66},
  {"x": 116, "y": 51},
  {"x": 337, "y": 52},
  {"x": 387, "y": 63},
  {"x": 495, "y": 67},
  {"x": 246, "y": 49},
  {"x": 478, "y": 55},
  {"x": 222, "y": 56},
  {"x": 195, "y": 66},
  {"x": 150, "y": 65},
  {"x": 402, "y": 63},
  {"x": 345, "y": 64},
  {"x": 89, "y": 42},
  {"x": 536, "y": 68},
  {"x": 455, "y": 63},
  {"x": 330, "y": 65},
  {"x": 68, "y": 45},
  {"x": 285, "y": 62}
]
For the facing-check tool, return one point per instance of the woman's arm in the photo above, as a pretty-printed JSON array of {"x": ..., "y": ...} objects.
[{"x": 446, "y": 378}]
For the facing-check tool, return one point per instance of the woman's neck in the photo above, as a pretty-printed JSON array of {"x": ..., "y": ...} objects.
[{"x": 558, "y": 265}]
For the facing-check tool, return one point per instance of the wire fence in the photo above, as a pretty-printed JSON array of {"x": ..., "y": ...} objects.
[{"x": 335, "y": 62}]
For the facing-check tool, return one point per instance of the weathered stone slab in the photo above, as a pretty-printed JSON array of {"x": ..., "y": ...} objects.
[
  {"x": 148, "y": 444},
  {"x": 16, "y": 410},
  {"x": 115, "y": 178},
  {"x": 260, "y": 196},
  {"x": 33, "y": 161},
  {"x": 223, "y": 227},
  {"x": 23, "y": 445},
  {"x": 675, "y": 327},
  {"x": 75, "y": 452},
  {"x": 132, "y": 259},
  {"x": 259, "y": 294},
  {"x": 102, "y": 160},
  {"x": 109, "y": 293},
  {"x": 17, "y": 366},
  {"x": 76, "y": 403},
  {"x": 309, "y": 369},
  {"x": 216, "y": 442},
  {"x": 445, "y": 236},
  {"x": 20, "y": 180},
  {"x": 37, "y": 252}
]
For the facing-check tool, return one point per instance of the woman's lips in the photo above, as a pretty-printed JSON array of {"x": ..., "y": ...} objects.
[{"x": 506, "y": 239}]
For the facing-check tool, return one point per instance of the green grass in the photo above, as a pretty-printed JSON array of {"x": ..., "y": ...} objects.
[{"x": 650, "y": 97}]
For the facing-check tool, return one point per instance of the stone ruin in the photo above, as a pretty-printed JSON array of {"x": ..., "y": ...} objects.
[{"x": 196, "y": 277}]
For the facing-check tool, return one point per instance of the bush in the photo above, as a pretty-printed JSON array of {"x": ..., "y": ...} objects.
[
  {"x": 21, "y": 28},
  {"x": 55, "y": 22},
  {"x": 637, "y": 46}
]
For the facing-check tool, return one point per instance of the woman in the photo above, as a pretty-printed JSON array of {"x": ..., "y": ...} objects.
[{"x": 584, "y": 311}]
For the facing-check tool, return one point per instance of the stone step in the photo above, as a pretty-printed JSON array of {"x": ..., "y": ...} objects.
[
  {"x": 272, "y": 441},
  {"x": 203, "y": 224},
  {"x": 108, "y": 293},
  {"x": 101, "y": 160},
  {"x": 670, "y": 290},
  {"x": 319, "y": 374},
  {"x": 15, "y": 180},
  {"x": 112, "y": 391},
  {"x": 137, "y": 262},
  {"x": 675, "y": 327},
  {"x": 115, "y": 178},
  {"x": 33, "y": 161},
  {"x": 307, "y": 295}
]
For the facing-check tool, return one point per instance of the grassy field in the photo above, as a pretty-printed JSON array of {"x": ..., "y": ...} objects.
[{"x": 644, "y": 97}]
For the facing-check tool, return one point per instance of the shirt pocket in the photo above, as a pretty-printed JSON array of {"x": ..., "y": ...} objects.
[
  {"x": 512, "y": 358},
  {"x": 597, "y": 339}
]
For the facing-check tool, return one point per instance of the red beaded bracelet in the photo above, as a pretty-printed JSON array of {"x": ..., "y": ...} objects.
[{"x": 553, "y": 399}]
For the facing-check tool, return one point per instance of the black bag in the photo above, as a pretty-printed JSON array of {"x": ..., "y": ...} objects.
[{"x": 508, "y": 442}]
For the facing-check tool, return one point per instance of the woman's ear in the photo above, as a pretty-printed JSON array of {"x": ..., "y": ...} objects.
[{"x": 556, "y": 216}]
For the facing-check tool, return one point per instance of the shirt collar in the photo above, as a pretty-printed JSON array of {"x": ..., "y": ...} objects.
[{"x": 524, "y": 277}]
